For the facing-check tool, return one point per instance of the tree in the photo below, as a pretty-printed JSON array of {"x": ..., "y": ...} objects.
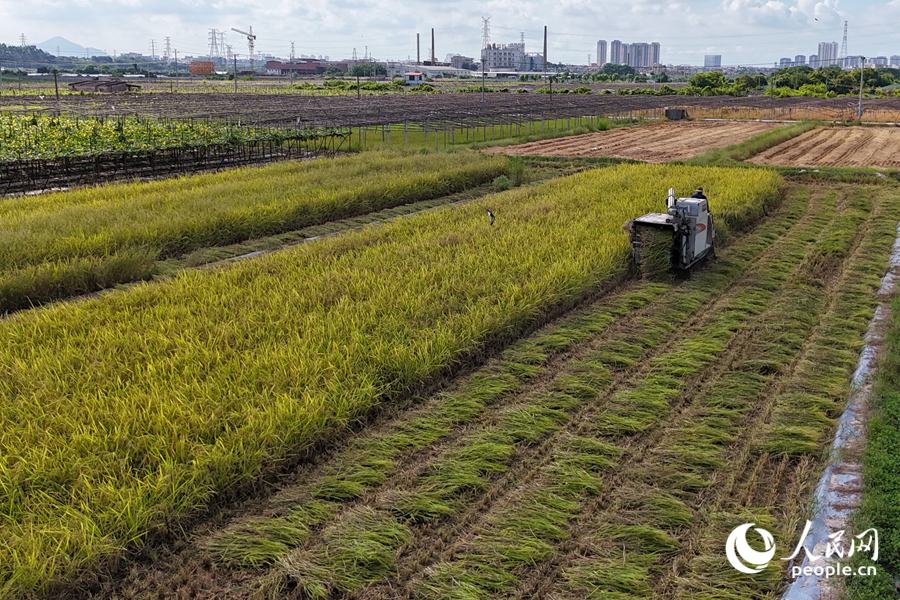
[
  {"x": 711, "y": 79},
  {"x": 368, "y": 69}
]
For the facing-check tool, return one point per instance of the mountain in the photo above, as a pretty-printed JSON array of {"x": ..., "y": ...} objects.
[{"x": 59, "y": 46}]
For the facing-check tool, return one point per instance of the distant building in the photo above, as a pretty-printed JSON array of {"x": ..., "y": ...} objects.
[
  {"x": 640, "y": 55},
  {"x": 654, "y": 55},
  {"x": 202, "y": 67},
  {"x": 828, "y": 54},
  {"x": 414, "y": 78},
  {"x": 712, "y": 61},
  {"x": 308, "y": 67},
  {"x": 601, "y": 53},
  {"x": 615, "y": 52},
  {"x": 508, "y": 57},
  {"x": 853, "y": 62},
  {"x": 895, "y": 60},
  {"x": 880, "y": 61},
  {"x": 462, "y": 62},
  {"x": 799, "y": 60},
  {"x": 533, "y": 61},
  {"x": 783, "y": 63},
  {"x": 814, "y": 61}
]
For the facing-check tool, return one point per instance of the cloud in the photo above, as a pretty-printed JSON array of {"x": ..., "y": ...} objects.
[{"x": 743, "y": 31}]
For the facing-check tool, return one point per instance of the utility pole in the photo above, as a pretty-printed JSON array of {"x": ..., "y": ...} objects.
[
  {"x": 152, "y": 49},
  {"x": 482, "y": 76},
  {"x": 862, "y": 69},
  {"x": 176, "y": 66},
  {"x": 235, "y": 73},
  {"x": 292, "y": 63}
]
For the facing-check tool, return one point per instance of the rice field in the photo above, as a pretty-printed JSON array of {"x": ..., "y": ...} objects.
[
  {"x": 607, "y": 454},
  {"x": 62, "y": 244},
  {"x": 123, "y": 413},
  {"x": 484, "y": 400}
]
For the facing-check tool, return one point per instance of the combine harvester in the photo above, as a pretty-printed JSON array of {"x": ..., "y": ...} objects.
[{"x": 692, "y": 233}]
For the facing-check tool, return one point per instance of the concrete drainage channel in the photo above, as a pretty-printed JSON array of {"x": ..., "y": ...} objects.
[{"x": 839, "y": 490}]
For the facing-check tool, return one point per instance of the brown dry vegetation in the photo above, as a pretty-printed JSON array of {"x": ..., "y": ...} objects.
[
  {"x": 664, "y": 142},
  {"x": 837, "y": 147}
]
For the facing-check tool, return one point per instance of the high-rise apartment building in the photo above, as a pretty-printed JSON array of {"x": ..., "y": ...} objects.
[
  {"x": 814, "y": 61},
  {"x": 654, "y": 55},
  {"x": 799, "y": 60},
  {"x": 895, "y": 60},
  {"x": 828, "y": 54},
  {"x": 615, "y": 52},
  {"x": 712, "y": 61},
  {"x": 640, "y": 55},
  {"x": 601, "y": 53}
]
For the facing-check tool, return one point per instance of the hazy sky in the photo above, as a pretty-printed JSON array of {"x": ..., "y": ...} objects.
[{"x": 751, "y": 32}]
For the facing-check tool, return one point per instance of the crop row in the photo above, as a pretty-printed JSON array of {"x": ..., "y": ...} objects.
[
  {"x": 56, "y": 245},
  {"x": 31, "y": 137},
  {"x": 590, "y": 520},
  {"x": 490, "y": 429},
  {"x": 121, "y": 413}
]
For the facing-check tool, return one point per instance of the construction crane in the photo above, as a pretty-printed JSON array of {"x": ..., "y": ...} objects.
[{"x": 250, "y": 40}]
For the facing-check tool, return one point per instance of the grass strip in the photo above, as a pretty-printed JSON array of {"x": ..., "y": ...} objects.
[
  {"x": 744, "y": 150},
  {"x": 66, "y": 243},
  {"x": 880, "y": 506}
]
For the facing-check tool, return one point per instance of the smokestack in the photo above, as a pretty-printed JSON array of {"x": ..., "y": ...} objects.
[
  {"x": 418, "y": 53},
  {"x": 545, "y": 48},
  {"x": 432, "y": 46}
]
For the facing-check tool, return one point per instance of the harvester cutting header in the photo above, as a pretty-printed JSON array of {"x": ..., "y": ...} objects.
[{"x": 688, "y": 222}]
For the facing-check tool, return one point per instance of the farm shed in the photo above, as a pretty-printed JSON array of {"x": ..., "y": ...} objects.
[
  {"x": 414, "y": 78},
  {"x": 101, "y": 85}
]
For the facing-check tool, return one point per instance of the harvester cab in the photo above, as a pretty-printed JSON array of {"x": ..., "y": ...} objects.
[{"x": 687, "y": 223}]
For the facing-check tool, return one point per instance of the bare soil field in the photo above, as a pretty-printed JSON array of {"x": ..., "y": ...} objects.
[
  {"x": 837, "y": 147},
  {"x": 657, "y": 144},
  {"x": 440, "y": 110}
]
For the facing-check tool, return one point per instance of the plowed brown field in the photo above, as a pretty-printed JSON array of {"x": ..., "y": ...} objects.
[
  {"x": 837, "y": 147},
  {"x": 656, "y": 143}
]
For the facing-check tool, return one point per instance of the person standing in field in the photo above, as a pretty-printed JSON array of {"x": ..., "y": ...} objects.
[{"x": 699, "y": 193}]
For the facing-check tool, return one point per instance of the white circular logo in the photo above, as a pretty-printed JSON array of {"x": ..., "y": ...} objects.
[{"x": 737, "y": 546}]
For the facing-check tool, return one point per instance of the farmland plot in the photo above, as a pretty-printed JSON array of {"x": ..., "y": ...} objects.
[
  {"x": 125, "y": 412},
  {"x": 607, "y": 455},
  {"x": 877, "y": 147},
  {"x": 655, "y": 144}
]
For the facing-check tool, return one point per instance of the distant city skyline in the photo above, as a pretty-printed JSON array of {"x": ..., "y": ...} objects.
[{"x": 743, "y": 32}]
